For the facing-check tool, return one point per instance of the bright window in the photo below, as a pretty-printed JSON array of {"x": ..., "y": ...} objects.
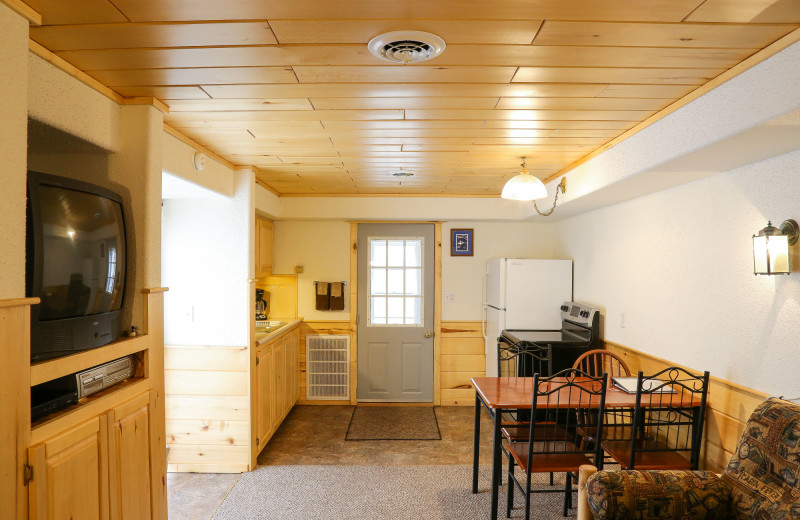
[{"x": 395, "y": 281}]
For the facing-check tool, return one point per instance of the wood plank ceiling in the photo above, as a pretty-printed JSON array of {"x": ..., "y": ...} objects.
[{"x": 289, "y": 86}]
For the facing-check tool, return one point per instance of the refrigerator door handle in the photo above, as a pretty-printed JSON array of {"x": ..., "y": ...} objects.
[
  {"x": 485, "y": 289},
  {"x": 484, "y": 317}
]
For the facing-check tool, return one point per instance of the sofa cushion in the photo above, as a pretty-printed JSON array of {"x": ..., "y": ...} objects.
[
  {"x": 764, "y": 473},
  {"x": 648, "y": 495}
]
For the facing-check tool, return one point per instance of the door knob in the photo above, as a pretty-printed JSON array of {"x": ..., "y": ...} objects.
[{"x": 428, "y": 334}]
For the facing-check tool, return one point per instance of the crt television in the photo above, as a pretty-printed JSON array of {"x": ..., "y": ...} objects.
[{"x": 75, "y": 264}]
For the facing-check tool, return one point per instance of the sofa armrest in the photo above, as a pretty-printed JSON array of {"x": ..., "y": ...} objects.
[{"x": 628, "y": 495}]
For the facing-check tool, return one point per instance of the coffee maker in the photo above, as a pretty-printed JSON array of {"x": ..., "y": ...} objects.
[{"x": 262, "y": 304}]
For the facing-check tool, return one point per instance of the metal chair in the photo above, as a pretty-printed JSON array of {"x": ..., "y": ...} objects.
[
  {"x": 546, "y": 450},
  {"x": 665, "y": 434}
]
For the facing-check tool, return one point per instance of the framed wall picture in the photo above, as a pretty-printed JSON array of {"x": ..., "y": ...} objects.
[{"x": 462, "y": 242}]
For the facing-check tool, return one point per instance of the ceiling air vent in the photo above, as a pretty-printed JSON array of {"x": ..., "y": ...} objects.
[{"x": 406, "y": 46}]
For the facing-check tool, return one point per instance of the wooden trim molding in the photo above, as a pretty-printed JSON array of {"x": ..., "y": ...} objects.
[
  {"x": 353, "y": 312},
  {"x": 73, "y": 71},
  {"x": 437, "y": 313},
  {"x": 160, "y": 105},
  {"x": 18, "y": 302},
  {"x": 24, "y": 10},
  {"x": 150, "y": 290}
]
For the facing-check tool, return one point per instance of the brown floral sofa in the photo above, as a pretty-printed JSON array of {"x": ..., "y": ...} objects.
[{"x": 761, "y": 481}]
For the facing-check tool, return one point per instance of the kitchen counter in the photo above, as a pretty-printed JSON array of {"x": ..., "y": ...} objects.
[{"x": 262, "y": 337}]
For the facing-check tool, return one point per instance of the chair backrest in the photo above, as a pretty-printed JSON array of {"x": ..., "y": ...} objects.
[
  {"x": 662, "y": 420},
  {"x": 567, "y": 395},
  {"x": 515, "y": 360},
  {"x": 597, "y": 361},
  {"x": 764, "y": 471}
]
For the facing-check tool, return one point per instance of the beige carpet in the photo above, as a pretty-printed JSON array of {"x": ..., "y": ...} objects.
[
  {"x": 393, "y": 423},
  {"x": 374, "y": 492}
]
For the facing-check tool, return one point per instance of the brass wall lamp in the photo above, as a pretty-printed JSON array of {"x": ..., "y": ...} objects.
[{"x": 771, "y": 248}]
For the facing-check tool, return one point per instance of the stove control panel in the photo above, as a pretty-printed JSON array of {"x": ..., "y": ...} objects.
[{"x": 579, "y": 313}]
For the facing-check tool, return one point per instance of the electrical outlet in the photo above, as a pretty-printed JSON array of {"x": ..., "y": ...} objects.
[
  {"x": 622, "y": 320},
  {"x": 449, "y": 297}
]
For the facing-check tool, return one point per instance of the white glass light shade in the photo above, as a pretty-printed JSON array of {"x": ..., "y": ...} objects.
[
  {"x": 524, "y": 187},
  {"x": 771, "y": 254}
]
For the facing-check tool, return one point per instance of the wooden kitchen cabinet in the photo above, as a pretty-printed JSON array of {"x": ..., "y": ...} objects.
[
  {"x": 263, "y": 247},
  {"x": 276, "y": 384},
  {"x": 70, "y": 473},
  {"x": 100, "y": 469},
  {"x": 264, "y": 404},
  {"x": 129, "y": 461}
]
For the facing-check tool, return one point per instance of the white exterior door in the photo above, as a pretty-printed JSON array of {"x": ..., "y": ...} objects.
[{"x": 395, "y": 312}]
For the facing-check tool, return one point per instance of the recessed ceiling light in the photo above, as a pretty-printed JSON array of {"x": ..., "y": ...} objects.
[{"x": 406, "y": 46}]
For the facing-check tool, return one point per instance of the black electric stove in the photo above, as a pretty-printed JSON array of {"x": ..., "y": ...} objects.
[{"x": 579, "y": 333}]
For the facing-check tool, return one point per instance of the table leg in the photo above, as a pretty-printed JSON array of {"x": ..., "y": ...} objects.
[
  {"x": 476, "y": 443},
  {"x": 497, "y": 462}
]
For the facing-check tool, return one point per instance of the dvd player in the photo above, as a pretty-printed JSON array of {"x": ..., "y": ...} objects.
[
  {"x": 98, "y": 378},
  {"x": 52, "y": 396}
]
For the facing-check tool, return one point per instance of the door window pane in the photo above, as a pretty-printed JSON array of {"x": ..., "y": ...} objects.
[
  {"x": 378, "y": 281},
  {"x": 414, "y": 281},
  {"x": 395, "y": 281},
  {"x": 377, "y": 252},
  {"x": 377, "y": 310},
  {"x": 413, "y": 311},
  {"x": 396, "y": 253},
  {"x": 395, "y": 314},
  {"x": 413, "y": 253}
]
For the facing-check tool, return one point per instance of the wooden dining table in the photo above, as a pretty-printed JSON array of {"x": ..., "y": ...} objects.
[{"x": 498, "y": 395}]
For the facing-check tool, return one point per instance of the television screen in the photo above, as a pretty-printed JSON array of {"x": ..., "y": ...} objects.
[{"x": 83, "y": 248}]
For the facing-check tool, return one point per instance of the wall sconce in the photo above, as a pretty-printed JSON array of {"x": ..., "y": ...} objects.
[
  {"x": 525, "y": 186},
  {"x": 771, "y": 248}
]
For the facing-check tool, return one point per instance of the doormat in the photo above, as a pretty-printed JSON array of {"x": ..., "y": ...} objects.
[{"x": 393, "y": 423}]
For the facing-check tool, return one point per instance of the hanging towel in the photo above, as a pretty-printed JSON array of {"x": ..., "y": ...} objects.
[
  {"x": 337, "y": 296},
  {"x": 323, "y": 296}
]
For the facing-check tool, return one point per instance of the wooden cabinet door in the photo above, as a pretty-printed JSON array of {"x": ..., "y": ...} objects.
[
  {"x": 293, "y": 365},
  {"x": 278, "y": 378},
  {"x": 263, "y": 246},
  {"x": 263, "y": 396},
  {"x": 70, "y": 474},
  {"x": 129, "y": 428}
]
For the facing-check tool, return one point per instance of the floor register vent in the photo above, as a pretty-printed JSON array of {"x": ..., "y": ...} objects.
[{"x": 327, "y": 367}]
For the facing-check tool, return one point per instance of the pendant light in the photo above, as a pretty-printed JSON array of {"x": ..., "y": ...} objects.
[{"x": 524, "y": 186}]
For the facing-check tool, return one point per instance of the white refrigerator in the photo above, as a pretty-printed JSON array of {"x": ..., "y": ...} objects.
[{"x": 521, "y": 293}]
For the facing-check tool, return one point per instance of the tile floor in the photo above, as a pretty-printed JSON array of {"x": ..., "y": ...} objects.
[{"x": 315, "y": 435}]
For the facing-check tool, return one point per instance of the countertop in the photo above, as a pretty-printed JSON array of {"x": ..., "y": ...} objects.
[{"x": 263, "y": 337}]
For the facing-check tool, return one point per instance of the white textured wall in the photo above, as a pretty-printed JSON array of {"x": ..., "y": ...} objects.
[
  {"x": 206, "y": 263},
  {"x": 179, "y": 161},
  {"x": 13, "y": 146},
  {"x": 267, "y": 203},
  {"x": 463, "y": 275},
  {"x": 679, "y": 265},
  {"x": 61, "y": 101},
  {"x": 323, "y": 249}
]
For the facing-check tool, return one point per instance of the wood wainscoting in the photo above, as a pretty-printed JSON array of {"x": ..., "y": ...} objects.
[
  {"x": 208, "y": 408},
  {"x": 463, "y": 357},
  {"x": 730, "y": 405}
]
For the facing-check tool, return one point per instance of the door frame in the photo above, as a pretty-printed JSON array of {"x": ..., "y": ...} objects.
[{"x": 437, "y": 304}]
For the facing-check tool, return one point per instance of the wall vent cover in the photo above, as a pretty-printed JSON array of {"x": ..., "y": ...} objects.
[
  {"x": 406, "y": 46},
  {"x": 327, "y": 367}
]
